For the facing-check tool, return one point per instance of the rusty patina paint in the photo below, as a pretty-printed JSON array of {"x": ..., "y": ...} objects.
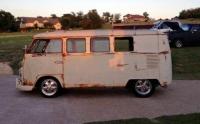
[
  {"x": 102, "y": 69},
  {"x": 91, "y": 86},
  {"x": 27, "y": 82},
  {"x": 164, "y": 52}
]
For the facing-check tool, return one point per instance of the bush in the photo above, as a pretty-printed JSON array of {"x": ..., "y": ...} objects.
[{"x": 190, "y": 13}]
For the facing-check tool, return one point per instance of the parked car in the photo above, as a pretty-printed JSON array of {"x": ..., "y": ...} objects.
[
  {"x": 188, "y": 36},
  {"x": 166, "y": 26},
  {"x": 139, "y": 60}
]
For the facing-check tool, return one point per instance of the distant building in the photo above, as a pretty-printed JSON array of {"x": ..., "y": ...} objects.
[
  {"x": 133, "y": 26},
  {"x": 27, "y": 23},
  {"x": 133, "y": 18}
]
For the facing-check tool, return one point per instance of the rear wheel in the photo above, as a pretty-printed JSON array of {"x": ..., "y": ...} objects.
[
  {"x": 143, "y": 88},
  {"x": 49, "y": 87},
  {"x": 178, "y": 44}
]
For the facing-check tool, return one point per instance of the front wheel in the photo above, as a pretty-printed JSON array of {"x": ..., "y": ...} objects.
[
  {"x": 178, "y": 44},
  {"x": 143, "y": 88},
  {"x": 49, "y": 87}
]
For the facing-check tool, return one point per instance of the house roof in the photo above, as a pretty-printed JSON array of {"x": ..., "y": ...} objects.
[
  {"x": 54, "y": 20},
  {"x": 40, "y": 20},
  {"x": 134, "y": 16},
  {"x": 27, "y": 19}
]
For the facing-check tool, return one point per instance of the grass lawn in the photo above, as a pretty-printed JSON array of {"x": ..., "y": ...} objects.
[
  {"x": 186, "y": 61},
  {"x": 176, "y": 119},
  {"x": 190, "y": 21},
  {"x": 11, "y": 49},
  {"x": 107, "y": 26}
]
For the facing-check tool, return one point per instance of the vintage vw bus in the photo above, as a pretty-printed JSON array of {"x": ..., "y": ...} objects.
[{"x": 137, "y": 59}]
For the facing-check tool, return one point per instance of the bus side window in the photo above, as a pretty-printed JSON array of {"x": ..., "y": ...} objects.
[
  {"x": 123, "y": 44},
  {"x": 54, "y": 46},
  {"x": 101, "y": 44},
  {"x": 76, "y": 45}
]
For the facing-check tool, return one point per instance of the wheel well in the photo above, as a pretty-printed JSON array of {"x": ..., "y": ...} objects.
[
  {"x": 181, "y": 39},
  {"x": 45, "y": 77},
  {"x": 129, "y": 83}
]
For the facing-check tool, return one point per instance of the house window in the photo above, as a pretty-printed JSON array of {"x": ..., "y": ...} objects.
[
  {"x": 100, "y": 45},
  {"x": 76, "y": 45},
  {"x": 123, "y": 44},
  {"x": 54, "y": 46}
]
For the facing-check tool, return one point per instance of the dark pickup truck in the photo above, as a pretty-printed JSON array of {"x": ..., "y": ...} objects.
[{"x": 188, "y": 36}]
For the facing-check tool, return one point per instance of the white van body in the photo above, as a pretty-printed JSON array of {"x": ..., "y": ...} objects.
[{"x": 148, "y": 58}]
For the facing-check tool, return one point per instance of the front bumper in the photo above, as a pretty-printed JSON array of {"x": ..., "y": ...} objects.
[{"x": 22, "y": 87}]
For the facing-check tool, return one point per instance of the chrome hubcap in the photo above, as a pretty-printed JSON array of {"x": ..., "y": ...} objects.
[
  {"x": 143, "y": 87},
  {"x": 179, "y": 44},
  {"x": 49, "y": 87}
]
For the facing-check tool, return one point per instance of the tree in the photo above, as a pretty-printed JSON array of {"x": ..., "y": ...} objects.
[
  {"x": 91, "y": 20},
  {"x": 190, "y": 13},
  {"x": 54, "y": 16},
  {"x": 7, "y": 21},
  {"x": 66, "y": 21},
  {"x": 39, "y": 17},
  {"x": 80, "y": 14},
  {"x": 48, "y": 25},
  {"x": 79, "y": 18},
  {"x": 69, "y": 21},
  {"x": 106, "y": 16},
  {"x": 115, "y": 18},
  {"x": 36, "y": 26},
  {"x": 146, "y": 15}
]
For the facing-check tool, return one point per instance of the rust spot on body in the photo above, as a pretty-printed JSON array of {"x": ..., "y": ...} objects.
[
  {"x": 121, "y": 65},
  {"x": 27, "y": 82},
  {"x": 90, "y": 85},
  {"x": 83, "y": 85},
  {"x": 164, "y": 52}
]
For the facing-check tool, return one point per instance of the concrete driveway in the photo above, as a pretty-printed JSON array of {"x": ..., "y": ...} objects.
[{"x": 77, "y": 106}]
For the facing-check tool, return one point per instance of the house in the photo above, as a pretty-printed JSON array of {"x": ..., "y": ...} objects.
[
  {"x": 133, "y": 18},
  {"x": 133, "y": 26},
  {"x": 55, "y": 23},
  {"x": 30, "y": 22},
  {"x": 27, "y": 23}
]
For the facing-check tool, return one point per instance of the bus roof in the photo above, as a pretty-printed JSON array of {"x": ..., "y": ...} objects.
[{"x": 95, "y": 33}]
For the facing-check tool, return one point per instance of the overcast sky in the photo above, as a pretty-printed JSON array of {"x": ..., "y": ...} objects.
[{"x": 156, "y": 8}]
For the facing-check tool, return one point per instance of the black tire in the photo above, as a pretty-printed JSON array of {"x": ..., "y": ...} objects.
[
  {"x": 178, "y": 44},
  {"x": 49, "y": 87},
  {"x": 143, "y": 88}
]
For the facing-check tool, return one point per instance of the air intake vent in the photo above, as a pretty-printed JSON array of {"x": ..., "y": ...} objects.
[{"x": 152, "y": 61}]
